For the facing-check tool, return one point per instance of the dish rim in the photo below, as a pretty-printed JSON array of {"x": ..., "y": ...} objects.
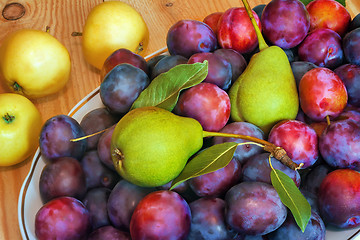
[{"x": 37, "y": 155}]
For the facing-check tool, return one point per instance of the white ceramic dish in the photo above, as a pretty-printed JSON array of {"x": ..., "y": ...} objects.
[{"x": 30, "y": 202}]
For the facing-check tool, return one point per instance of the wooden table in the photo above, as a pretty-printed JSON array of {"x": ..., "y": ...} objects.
[{"x": 64, "y": 17}]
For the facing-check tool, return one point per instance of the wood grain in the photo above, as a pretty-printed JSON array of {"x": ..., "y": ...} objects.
[{"x": 64, "y": 17}]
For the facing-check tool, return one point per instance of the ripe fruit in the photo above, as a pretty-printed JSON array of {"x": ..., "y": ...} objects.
[
  {"x": 62, "y": 218},
  {"x": 298, "y": 139},
  {"x": 219, "y": 72},
  {"x": 20, "y": 124},
  {"x": 123, "y": 55},
  {"x": 207, "y": 103},
  {"x": 322, "y": 93},
  {"x": 62, "y": 177},
  {"x": 34, "y": 63},
  {"x": 161, "y": 215},
  {"x": 150, "y": 146},
  {"x": 265, "y": 92},
  {"x": 110, "y": 26},
  {"x": 323, "y": 48},
  {"x": 285, "y": 23},
  {"x": 351, "y": 46},
  {"x": 121, "y": 87},
  {"x": 328, "y": 14},
  {"x": 350, "y": 75},
  {"x": 187, "y": 37},
  {"x": 55, "y": 137},
  {"x": 243, "y": 217},
  {"x": 339, "y": 198},
  {"x": 236, "y": 32},
  {"x": 339, "y": 144}
]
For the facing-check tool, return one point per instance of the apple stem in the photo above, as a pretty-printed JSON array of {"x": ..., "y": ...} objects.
[
  {"x": 277, "y": 152},
  {"x": 261, "y": 40},
  {"x": 17, "y": 87},
  {"x": 8, "y": 118}
]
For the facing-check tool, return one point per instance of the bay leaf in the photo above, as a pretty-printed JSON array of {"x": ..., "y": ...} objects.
[
  {"x": 206, "y": 161},
  {"x": 306, "y": 2},
  {"x": 291, "y": 197},
  {"x": 164, "y": 90}
]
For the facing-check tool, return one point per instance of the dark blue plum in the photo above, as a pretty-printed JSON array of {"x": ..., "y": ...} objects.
[
  {"x": 258, "y": 9},
  {"x": 312, "y": 199},
  {"x": 285, "y": 23},
  {"x": 162, "y": 215},
  {"x": 243, "y": 152},
  {"x": 291, "y": 54},
  {"x": 351, "y": 46},
  {"x": 355, "y": 23},
  {"x": 208, "y": 220},
  {"x": 122, "y": 86},
  {"x": 153, "y": 61},
  {"x": 340, "y": 144},
  {"x": 187, "y": 37},
  {"x": 94, "y": 121},
  {"x": 95, "y": 202},
  {"x": 350, "y": 114},
  {"x": 97, "y": 174},
  {"x": 350, "y": 75},
  {"x": 219, "y": 72},
  {"x": 322, "y": 47},
  {"x": 299, "y": 68},
  {"x": 62, "y": 218},
  {"x": 257, "y": 168},
  {"x": 108, "y": 232},
  {"x": 122, "y": 201},
  {"x": 120, "y": 56},
  {"x": 313, "y": 179},
  {"x": 315, "y": 229},
  {"x": 166, "y": 64},
  {"x": 103, "y": 148},
  {"x": 215, "y": 184},
  {"x": 243, "y": 217},
  {"x": 236, "y": 60},
  {"x": 55, "y": 138},
  {"x": 183, "y": 189},
  {"x": 62, "y": 177}
]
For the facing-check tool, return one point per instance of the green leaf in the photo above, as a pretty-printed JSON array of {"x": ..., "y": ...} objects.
[
  {"x": 291, "y": 197},
  {"x": 164, "y": 90},
  {"x": 305, "y": 2},
  {"x": 208, "y": 160}
]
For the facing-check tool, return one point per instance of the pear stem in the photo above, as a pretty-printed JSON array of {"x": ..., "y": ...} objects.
[
  {"x": 261, "y": 40},
  {"x": 277, "y": 152}
]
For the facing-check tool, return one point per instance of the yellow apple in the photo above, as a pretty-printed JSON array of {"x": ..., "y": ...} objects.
[
  {"x": 110, "y": 26},
  {"x": 20, "y": 126},
  {"x": 34, "y": 63}
]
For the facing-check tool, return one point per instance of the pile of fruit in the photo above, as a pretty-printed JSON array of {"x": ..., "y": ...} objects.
[{"x": 187, "y": 144}]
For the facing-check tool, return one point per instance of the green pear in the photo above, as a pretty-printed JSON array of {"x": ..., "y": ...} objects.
[
  {"x": 150, "y": 146},
  {"x": 265, "y": 92}
]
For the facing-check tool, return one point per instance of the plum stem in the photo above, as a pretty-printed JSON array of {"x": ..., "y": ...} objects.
[
  {"x": 328, "y": 120},
  {"x": 278, "y": 152},
  {"x": 261, "y": 40}
]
